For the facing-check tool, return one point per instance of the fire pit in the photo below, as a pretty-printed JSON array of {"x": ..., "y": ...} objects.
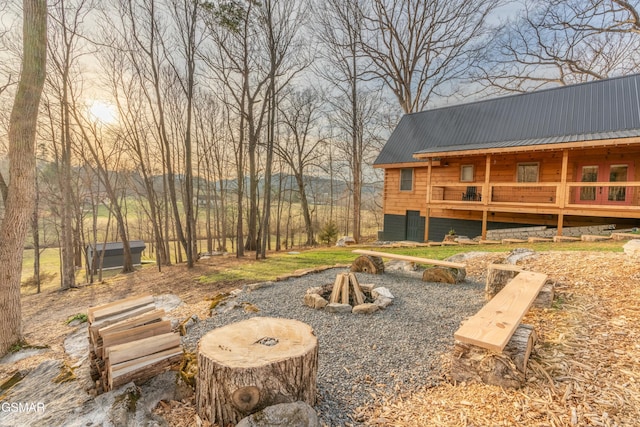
[{"x": 346, "y": 295}]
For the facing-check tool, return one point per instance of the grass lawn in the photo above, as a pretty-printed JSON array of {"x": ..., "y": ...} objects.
[{"x": 278, "y": 264}]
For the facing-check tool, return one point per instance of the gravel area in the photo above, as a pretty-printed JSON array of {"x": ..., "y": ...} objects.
[{"x": 360, "y": 355}]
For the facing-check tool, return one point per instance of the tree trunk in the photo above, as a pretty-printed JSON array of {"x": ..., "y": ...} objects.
[
  {"x": 246, "y": 366},
  {"x": 20, "y": 194},
  {"x": 498, "y": 275}
]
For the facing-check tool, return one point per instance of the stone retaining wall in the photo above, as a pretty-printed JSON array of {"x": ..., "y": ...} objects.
[{"x": 543, "y": 231}]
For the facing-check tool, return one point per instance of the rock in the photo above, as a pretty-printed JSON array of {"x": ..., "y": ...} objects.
[
  {"x": 367, "y": 287},
  {"x": 345, "y": 241},
  {"x": 297, "y": 414},
  {"x": 381, "y": 291},
  {"x": 76, "y": 344},
  {"x": 187, "y": 324},
  {"x": 632, "y": 249},
  {"x": 465, "y": 256},
  {"x": 235, "y": 292},
  {"x": 366, "y": 308},
  {"x": 67, "y": 403},
  {"x": 519, "y": 254},
  {"x": 168, "y": 302},
  {"x": 315, "y": 301},
  {"x": 439, "y": 275},
  {"x": 335, "y": 307},
  {"x": 383, "y": 302},
  {"x": 317, "y": 290},
  {"x": 25, "y": 353},
  {"x": 256, "y": 286}
]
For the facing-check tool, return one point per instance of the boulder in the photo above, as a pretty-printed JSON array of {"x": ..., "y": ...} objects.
[
  {"x": 335, "y": 307},
  {"x": 381, "y": 291},
  {"x": 298, "y": 414},
  {"x": 315, "y": 301},
  {"x": 632, "y": 249},
  {"x": 383, "y": 302},
  {"x": 345, "y": 241},
  {"x": 366, "y": 308}
]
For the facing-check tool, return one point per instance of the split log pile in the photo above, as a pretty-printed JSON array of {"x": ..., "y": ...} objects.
[{"x": 130, "y": 340}]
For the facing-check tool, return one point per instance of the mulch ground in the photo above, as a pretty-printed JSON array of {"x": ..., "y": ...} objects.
[{"x": 583, "y": 371}]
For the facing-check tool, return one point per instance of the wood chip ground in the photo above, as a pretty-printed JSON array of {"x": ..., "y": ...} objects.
[{"x": 585, "y": 370}]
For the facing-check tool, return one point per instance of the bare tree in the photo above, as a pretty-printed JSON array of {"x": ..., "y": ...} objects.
[
  {"x": 341, "y": 29},
  {"x": 300, "y": 112},
  {"x": 421, "y": 48},
  {"x": 557, "y": 42},
  {"x": 282, "y": 22},
  {"x": 20, "y": 192},
  {"x": 64, "y": 53}
]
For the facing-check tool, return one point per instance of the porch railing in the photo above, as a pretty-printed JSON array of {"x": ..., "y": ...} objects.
[{"x": 611, "y": 195}]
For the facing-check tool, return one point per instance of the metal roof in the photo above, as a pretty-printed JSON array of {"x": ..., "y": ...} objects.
[
  {"x": 109, "y": 246},
  {"x": 602, "y": 109}
]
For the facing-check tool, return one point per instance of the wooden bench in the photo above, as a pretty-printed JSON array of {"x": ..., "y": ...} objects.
[
  {"x": 483, "y": 341},
  {"x": 371, "y": 260}
]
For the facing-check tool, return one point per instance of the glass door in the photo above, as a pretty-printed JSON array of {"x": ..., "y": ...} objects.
[{"x": 604, "y": 195}]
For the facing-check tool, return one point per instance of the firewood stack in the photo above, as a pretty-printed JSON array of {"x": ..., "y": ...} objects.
[
  {"x": 346, "y": 290},
  {"x": 130, "y": 340}
]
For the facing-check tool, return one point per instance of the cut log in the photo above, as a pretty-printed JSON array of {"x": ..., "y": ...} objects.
[
  {"x": 144, "y": 347},
  {"x": 143, "y": 368},
  {"x": 444, "y": 275},
  {"x": 117, "y": 307},
  {"x": 336, "y": 292},
  {"x": 545, "y": 296},
  {"x": 246, "y": 366},
  {"x": 133, "y": 322},
  {"x": 368, "y": 264},
  {"x": 498, "y": 275},
  {"x": 470, "y": 363},
  {"x": 345, "y": 289},
  {"x": 358, "y": 295},
  {"x": 134, "y": 334}
]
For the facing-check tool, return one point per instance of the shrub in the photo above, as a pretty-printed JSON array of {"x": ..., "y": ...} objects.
[{"x": 329, "y": 233}]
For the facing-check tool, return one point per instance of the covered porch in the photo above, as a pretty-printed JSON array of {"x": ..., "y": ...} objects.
[{"x": 581, "y": 179}]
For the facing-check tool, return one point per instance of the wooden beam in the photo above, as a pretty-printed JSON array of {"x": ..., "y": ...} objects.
[
  {"x": 495, "y": 323},
  {"x": 410, "y": 258},
  {"x": 428, "y": 204},
  {"x": 486, "y": 191}
]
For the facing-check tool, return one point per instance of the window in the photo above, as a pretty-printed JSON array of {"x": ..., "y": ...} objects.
[
  {"x": 406, "y": 179},
  {"x": 466, "y": 173},
  {"x": 528, "y": 172}
]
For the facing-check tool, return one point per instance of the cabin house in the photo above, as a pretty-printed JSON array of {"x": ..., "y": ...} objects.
[{"x": 561, "y": 157}]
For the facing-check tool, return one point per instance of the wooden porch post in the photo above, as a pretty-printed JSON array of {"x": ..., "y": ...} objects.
[
  {"x": 486, "y": 195},
  {"x": 428, "y": 201},
  {"x": 562, "y": 191}
]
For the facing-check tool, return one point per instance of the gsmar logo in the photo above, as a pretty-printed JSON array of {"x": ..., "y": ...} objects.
[{"x": 22, "y": 407}]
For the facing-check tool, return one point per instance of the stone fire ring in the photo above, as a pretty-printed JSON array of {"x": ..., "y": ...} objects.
[{"x": 375, "y": 299}]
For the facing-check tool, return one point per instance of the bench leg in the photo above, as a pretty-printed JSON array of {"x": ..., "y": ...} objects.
[{"x": 470, "y": 363}]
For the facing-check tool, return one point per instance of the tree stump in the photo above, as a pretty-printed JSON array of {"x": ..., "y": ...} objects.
[
  {"x": 470, "y": 363},
  {"x": 498, "y": 275},
  {"x": 249, "y": 365},
  {"x": 368, "y": 264}
]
